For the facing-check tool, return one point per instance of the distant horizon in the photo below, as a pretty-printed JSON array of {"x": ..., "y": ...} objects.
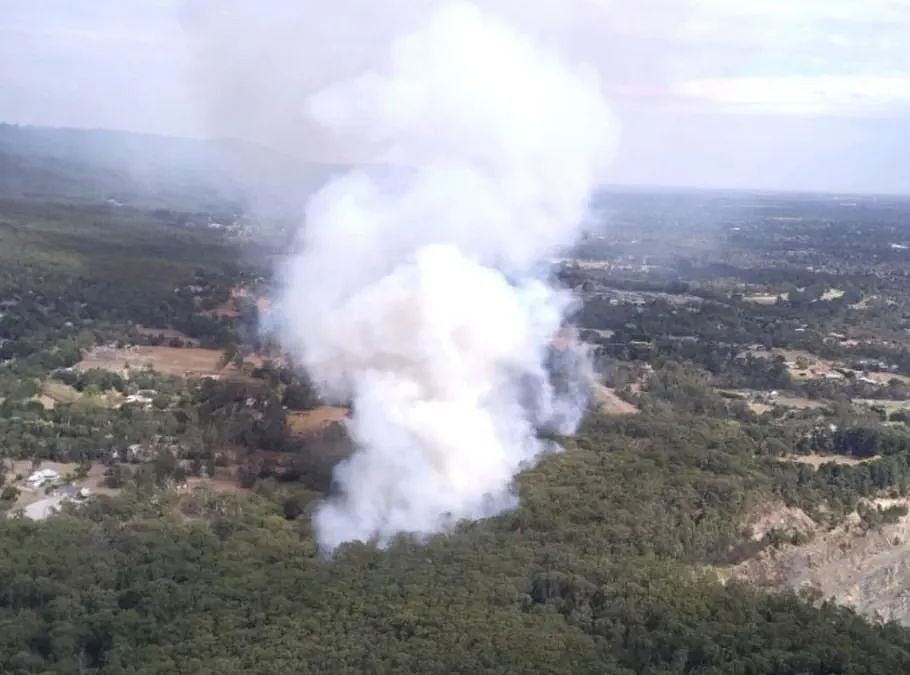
[
  {"x": 812, "y": 96},
  {"x": 606, "y": 186}
]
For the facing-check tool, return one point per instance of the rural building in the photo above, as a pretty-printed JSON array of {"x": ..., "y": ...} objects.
[{"x": 42, "y": 476}]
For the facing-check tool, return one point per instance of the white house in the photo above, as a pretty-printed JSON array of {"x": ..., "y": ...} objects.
[{"x": 42, "y": 476}]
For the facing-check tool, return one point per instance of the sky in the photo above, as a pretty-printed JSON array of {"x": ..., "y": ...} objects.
[{"x": 775, "y": 94}]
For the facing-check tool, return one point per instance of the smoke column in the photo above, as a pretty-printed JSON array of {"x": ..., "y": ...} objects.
[{"x": 416, "y": 292}]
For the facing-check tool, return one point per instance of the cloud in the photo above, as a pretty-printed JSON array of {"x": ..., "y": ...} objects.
[{"x": 804, "y": 95}]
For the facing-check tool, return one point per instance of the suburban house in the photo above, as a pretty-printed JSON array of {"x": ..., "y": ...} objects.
[{"x": 42, "y": 476}]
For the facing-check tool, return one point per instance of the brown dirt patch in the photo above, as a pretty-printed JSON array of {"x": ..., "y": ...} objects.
[
  {"x": 763, "y": 401},
  {"x": 868, "y": 569},
  {"x": 59, "y": 392},
  {"x": 610, "y": 404},
  {"x": 46, "y": 401},
  {"x": 816, "y": 461},
  {"x": 777, "y": 516},
  {"x": 315, "y": 422},
  {"x": 217, "y": 484},
  {"x": 816, "y": 368},
  {"x": 227, "y": 310},
  {"x": 178, "y": 361},
  {"x": 798, "y": 402},
  {"x": 885, "y": 378}
]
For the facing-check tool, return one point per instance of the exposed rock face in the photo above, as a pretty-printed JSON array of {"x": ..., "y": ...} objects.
[
  {"x": 776, "y": 517},
  {"x": 868, "y": 569}
]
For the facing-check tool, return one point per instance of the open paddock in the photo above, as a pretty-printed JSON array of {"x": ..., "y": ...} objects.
[
  {"x": 610, "y": 403},
  {"x": 175, "y": 361},
  {"x": 763, "y": 401},
  {"x": 315, "y": 422},
  {"x": 816, "y": 460},
  {"x": 798, "y": 402},
  {"x": 54, "y": 393}
]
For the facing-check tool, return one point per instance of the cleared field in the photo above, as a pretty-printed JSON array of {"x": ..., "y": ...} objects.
[
  {"x": 166, "y": 333},
  {"x": 803, "y": 365},
  {"x": 315, "y": 422},
  {"x": 226, "y": 310},
  {"x": 610, "y": 403},
  {"x": 24, "y": 467},
  {"x": 885, "y": 378},
  {"x": 765, "y": 299},
  {"x": 793, "y": 402},
  {"x": 814, "y": 367},
  {"x": 54, "y": 393},
  {"x": 816, "y": 461},
  {"x": 888, "y": 406},
  {"x": 793, "y": 354},
  {"x": 223, "y": 481},
  {"x": 60, "y": 392},
  {"x": 798, "y": 402},
  {"x": 762, "y": 401},
  {"x": 165, "y": 360}
]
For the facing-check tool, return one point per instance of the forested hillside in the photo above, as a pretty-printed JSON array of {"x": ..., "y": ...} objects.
[
  {"x": 596, "y": 571},
  {"x": 151, "y": 171}
]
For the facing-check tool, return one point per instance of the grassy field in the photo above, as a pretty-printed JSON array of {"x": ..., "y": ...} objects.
[
  {"x": 178, "y": 361},
  {"x": 314, "y": 422}
]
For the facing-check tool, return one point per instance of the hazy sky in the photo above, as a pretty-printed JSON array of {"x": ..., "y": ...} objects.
[{"x": 754, "y": 93}]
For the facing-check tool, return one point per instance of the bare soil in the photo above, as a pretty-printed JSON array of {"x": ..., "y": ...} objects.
[
  {"x": 218, "y": 483},
  {"x": 178, "y": 361},
  {"x": 610, "y": 403},
  {"x": 816, "y": 461},
  {"x": 777, "y": 516},
  {"x": 315, "y": 422},
  {"x": 227, "y": 309},
  {"x": 798, "y": 402},
  {"x": 54, "y": 393},
  {"x": 866, "y": 569}
]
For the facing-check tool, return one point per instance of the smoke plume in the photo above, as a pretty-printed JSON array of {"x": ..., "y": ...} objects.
[{"x": 417, "y": 293}]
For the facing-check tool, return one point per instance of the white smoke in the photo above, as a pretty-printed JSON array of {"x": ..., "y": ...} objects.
[{"x": 415, "y": 293}]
